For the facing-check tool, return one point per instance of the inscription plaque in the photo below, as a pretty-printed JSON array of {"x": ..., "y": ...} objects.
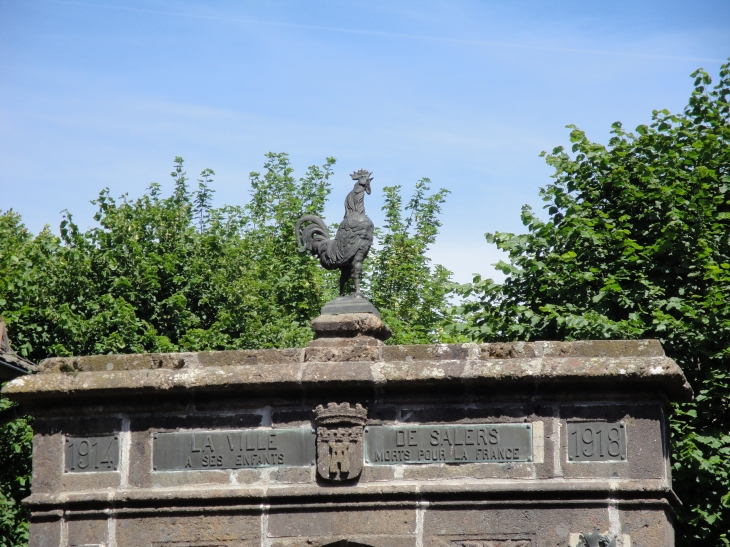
[
  {"x": 89, "y": 454},
  {"x": 463, "y": 443},
  {"x": 178, "y": 451},
  {"x": 596, "y": 441}
]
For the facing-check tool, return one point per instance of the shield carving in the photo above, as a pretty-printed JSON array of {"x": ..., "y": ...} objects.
[{"x": 340, "y": 441}]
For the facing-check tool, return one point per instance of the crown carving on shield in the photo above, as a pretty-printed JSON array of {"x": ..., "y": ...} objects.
[{"x": 340, "y": 414}]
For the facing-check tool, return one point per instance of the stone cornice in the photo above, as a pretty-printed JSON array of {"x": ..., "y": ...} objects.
[{"x": 607, "y": 365}]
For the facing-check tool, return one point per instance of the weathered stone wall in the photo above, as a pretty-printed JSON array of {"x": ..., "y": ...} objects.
[
  {"x": 395, "y": 526},
  {"x": 546, "y": 501}
]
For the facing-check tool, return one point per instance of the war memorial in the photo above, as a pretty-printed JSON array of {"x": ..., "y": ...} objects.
[{"x": 352, "y": 442}]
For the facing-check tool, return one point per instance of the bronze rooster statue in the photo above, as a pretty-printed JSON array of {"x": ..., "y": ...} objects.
[{"x": 353, "y": 238}]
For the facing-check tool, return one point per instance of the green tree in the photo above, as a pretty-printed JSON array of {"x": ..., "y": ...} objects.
[
  {"x": 176, "y": 274},
  {"x": 202, "y": 203},
  {"x": 637, "y": 245},
  {"x": 15, "y": 462},
  {"x": 411, "y": 295},
  {"x": 19, "y": 252},
  {"x": 168, "y": 274}
]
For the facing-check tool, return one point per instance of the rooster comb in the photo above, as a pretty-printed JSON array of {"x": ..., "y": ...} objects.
[{"x": 362, "y": 172}]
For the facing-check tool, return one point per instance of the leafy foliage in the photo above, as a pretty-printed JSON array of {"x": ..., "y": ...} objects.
[
  {"x": 168, "y": 274},
  {"x": 160, "y": 274},
  {"x": 411, "y": 295},
  {"x": 16, "y": 440},
  {"x": 175, "y": 274},
  {"x": 637, "y": 245}
]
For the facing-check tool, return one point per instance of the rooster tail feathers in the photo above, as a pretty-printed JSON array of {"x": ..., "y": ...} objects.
[{"x": 308, "y": 230}]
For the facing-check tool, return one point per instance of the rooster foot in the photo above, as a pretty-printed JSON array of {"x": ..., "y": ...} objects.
[{"x": 358, "y": 294}]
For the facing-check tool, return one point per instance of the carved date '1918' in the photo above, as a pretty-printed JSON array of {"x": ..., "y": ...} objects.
[{"x": 596, "y": 441}]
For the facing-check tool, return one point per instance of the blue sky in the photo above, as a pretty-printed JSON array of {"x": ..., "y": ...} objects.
[{"x": 105, "y": 94}]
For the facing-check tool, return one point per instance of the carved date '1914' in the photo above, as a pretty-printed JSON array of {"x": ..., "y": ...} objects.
[{"x": 90, "y": 454}]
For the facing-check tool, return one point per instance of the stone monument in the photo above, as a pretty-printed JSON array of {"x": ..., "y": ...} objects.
[
  {"x": 354, "y": 442},
  {"x": 349, "y": 442}
]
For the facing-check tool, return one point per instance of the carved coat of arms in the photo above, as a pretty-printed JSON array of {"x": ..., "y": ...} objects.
[{"x": 340, "y": 440}]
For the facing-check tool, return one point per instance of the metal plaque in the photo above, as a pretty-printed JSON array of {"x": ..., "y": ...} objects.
[
  {"x": 88, "y": 454},
  {"x": 471, "y": 443},
  {"x": 596, "y": 441},
  {"x": 179, "y": 451}
]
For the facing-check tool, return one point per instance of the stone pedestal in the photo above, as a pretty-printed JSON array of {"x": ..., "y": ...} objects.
[
  {"x": 350, "y": 325},
  {"x": 347, "y": 337},
  {"x": 349, "y": 304},
  {"x": 475, "y": 445}
]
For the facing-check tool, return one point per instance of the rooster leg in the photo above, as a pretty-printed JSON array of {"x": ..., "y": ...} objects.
[
  {"x": 356, "y": 271},
  {"x": 345, "y": 273}
]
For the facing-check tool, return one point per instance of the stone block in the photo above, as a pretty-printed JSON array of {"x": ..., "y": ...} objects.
[
  {"x": 464, "y": 521},
  {"x": 188, "y": 420},
  {"x": 45, "y": 533},
  {"x": 508, "y": 526},
  {"x": 400, "y": 372},
  {"x": 346, "y": 541},
  {"x": 93, "y": 363},
  {"x": 186, "y": 530},
  {"x": 294, "y": 475},
  {"x": 342, "y": 523},
  {"x": 140, "y": 452},
  {"x": 250, "y": 400},
  {"x": 248, "y": 476},
  {"x": 325, "y": 373},
  {"x": 348, "y": 325},
  {"x": 87, "y": 531},
  {"x": 600, "y": 348},
  {"x": 48, "y": 454},
  {"x": 174, "y": 361},
  {"x": 291, "y": 417},
  {"x": 645, "y": 443},
  {"x": 343, "y": 350},
  {"x": 250, "y": 357},
  {"x": 473, "y": 413},
  {"x": 382, "y": 414},
  {"x": 82, "y": 426},
  {"x": 78, "y": 482},
  {"x": 47, "y": 459},
  {"x": 446, "y": 472},
  {"x": 507, "y": 350},
  {"x": 423, "y": 352},
  {"x": 647, "y": 527},
  {"x": 377, "y": 473},
  {"x": 170, "y": 479}
]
